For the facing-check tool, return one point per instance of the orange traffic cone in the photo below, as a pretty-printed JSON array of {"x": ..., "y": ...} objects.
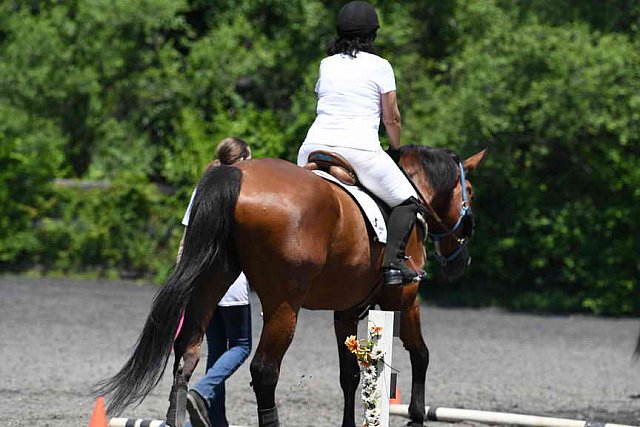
[
  {"x": 395, "y": 400},
  {"x": 99, "y": 416}
]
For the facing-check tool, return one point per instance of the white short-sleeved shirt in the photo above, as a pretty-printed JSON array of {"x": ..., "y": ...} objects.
[
  {"x": 238, "y": 293},
  {"x": 349, "y": 108}
]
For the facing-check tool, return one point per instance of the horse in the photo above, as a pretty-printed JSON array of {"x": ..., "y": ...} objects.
[{"x": 302, "y": 242}]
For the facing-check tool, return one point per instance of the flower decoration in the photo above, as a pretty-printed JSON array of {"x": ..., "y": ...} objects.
[
  {"x": 352, "y": 344},
  {"x": 371, "y": 358}
]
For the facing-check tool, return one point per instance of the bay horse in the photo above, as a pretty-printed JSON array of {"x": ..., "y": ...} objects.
[{"x": 302, "y": 242}]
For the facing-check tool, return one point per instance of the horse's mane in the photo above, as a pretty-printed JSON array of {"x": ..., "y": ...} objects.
[{"x": 439, "y": 164}]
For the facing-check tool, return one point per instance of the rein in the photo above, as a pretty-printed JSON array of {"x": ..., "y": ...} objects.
[{"x": 465, "y": 211}]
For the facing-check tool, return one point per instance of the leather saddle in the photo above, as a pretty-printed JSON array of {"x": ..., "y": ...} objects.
[{"x": 334, "y": 164}]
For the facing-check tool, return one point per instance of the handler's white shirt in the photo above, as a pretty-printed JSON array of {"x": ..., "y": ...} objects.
[
  {"x": 349, "y": 110},
  {"x": 238, "y": 293}
]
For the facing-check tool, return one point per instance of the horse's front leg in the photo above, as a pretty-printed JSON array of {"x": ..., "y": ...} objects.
[
  {"x": 411, "y": 336},
  {"x": 345, "y": 324}
]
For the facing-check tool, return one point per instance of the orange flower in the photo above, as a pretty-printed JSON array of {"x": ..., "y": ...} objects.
[
  {"x": 376, "y": 330},
  {"x": 352, "y": 343}
]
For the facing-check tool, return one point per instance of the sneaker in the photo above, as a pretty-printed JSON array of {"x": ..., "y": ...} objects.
[{"x": 197, "y": 408}]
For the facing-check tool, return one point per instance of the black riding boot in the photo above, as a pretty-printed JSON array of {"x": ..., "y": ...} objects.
[{"x": 401, "y": 222}]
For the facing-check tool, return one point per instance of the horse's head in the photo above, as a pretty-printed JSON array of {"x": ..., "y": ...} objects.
[{"x": 440, "y": 178}]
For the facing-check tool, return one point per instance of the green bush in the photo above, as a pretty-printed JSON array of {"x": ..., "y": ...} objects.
[
  {"x": 30, "y": 155},
  {"x": 127, "y": 229},
  {"x": 558, "y": 197},
  {"x": 138, "y": 94}
]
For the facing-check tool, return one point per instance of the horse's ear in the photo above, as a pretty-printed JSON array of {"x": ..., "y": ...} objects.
[{"x": 472, "y": 162}]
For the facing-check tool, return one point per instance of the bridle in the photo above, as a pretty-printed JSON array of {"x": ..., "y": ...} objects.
[{"x": 465, "y": 214}]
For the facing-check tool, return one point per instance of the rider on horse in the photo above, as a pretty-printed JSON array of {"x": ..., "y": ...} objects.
[{"x": 356, "y": 88}]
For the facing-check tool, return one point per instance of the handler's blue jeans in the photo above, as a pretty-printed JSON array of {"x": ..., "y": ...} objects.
[{"x": 229, "y": 345}]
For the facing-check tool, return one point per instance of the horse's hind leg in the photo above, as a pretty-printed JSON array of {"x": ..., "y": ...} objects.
[
  {"x": 201, "y": 307},
  {"x": 187, "y": 355},
  {"x": 345, "y": 324},
  {"x": 277, "y": 333}
]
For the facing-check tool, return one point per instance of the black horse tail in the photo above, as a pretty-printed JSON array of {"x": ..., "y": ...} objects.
[
  {"x": 636, "y": 352},
  {"x": 207, "y": 246}
]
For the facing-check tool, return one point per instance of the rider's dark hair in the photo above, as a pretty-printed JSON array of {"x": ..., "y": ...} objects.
[{"x": 352, "y": 45}]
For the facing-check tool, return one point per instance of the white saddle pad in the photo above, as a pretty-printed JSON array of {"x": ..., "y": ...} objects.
[{"x": 367, "y": 204}]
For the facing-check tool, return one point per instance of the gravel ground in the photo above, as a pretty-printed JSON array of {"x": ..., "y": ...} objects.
[{"x": 60, "y": 336}]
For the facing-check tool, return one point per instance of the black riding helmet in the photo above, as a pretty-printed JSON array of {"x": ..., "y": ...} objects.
[{"x": 357, "y": 19}]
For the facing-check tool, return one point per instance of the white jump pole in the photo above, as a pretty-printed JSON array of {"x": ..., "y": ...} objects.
[
  {"x": 133, "y": 422},
  {"x": 453, "y": 415},
  {"x": 385, "y": 320}
]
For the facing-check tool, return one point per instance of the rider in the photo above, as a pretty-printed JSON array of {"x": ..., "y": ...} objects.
[{"x": 356, "y": 88}]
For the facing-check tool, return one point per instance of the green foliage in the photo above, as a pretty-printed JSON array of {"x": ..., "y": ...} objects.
[
  {"x": 30, "y": 155},
  {"x": 558, "y": 107},
  {"x": 608, "y": 15},
  {"x": 102, "y": 70},
  {"x": 139, "y": 93},
  {"x": 123, "y": 228}
]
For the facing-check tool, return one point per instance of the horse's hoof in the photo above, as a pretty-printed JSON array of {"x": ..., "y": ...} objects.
[
  {"x": 268, "y": 417},
  {"x": 177, "y": 406}
]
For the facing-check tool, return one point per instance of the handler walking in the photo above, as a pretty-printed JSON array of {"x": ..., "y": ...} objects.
[{"x": 229, "y": 331}]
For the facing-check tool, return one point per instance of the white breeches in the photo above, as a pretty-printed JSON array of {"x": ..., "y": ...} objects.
[{"x": 376, "y": 171}]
